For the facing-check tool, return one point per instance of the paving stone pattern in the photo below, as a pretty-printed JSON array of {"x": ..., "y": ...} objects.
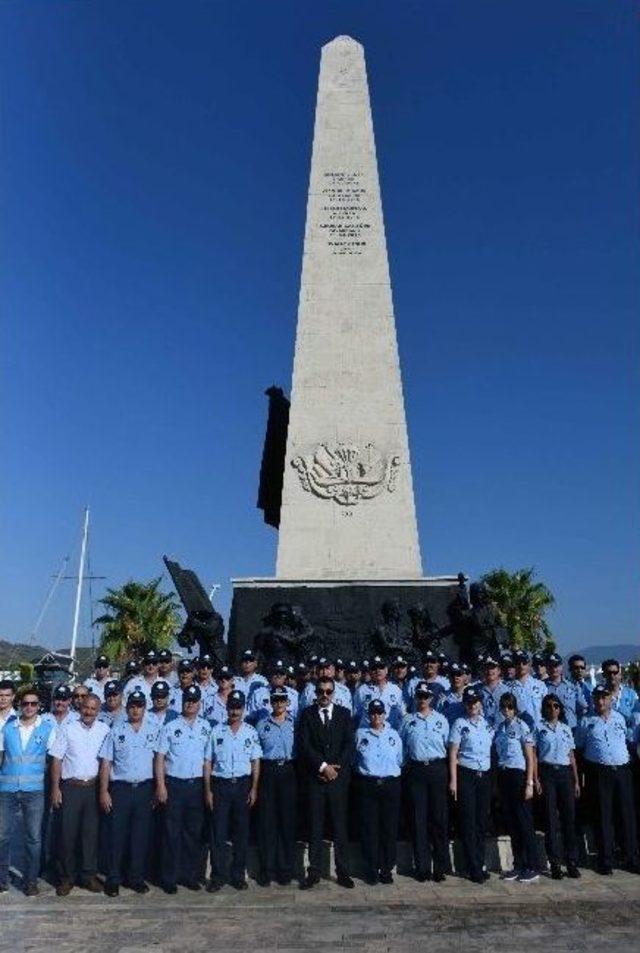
[{"x": 457, "y": 915}]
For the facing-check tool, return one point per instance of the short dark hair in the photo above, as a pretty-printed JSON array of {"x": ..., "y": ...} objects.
[
  {"x": 576, "y": 658},
  {"x": 508, "y": 698},
  {"x": 7, "y": 685},
  {"x": 323, "y": 681},
  {"x": 546, "y": 703},
  {"x": 608, "y": 662}
]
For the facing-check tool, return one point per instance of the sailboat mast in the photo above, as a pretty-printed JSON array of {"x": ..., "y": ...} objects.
[{"x": 76, "y": 614}]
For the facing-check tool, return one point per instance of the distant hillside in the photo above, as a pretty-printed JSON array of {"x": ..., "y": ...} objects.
[
  {"x": 625, "y": 652},
  {"x": 13, "y": 653}
]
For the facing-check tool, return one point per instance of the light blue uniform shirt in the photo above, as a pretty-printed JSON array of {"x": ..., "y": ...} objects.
[
  {"x": 425, "y": 737},
  {"x": 260, "y": 704},
  {"x": 604, "y": 740},
  {"x": 96, "y": 687},
  {"x": 624, "y": 703},
  {"x": 158, "y": 718},
  {"x": 231, "y": 753},
  {"x": 555, "y": 742},
  {"x": 491, "y": 701},
  {"x": 378, "y": 754},
  {"x": 474, "y": 738},
  {"x": 529, "y": 694},
  {"x": 341, "y": 696},
  {"x": 216, "y": 710},
  {"x": 451, "y": 706},
  {"x": 207, "y": 691},
  {"x": 276, "y": 738},
  {"x": 571, "y": 697},
  {"x": 248, "y": 685},
  {"x": 111, "y": 718},
  {"x": 71, "y": 716},
  {"x": 509, "y": 739},
  {"x": 130, "y": 752},
  {"x": 184, "y": 745},
  {"x": 584, "y": 689},
  {"x": 390, "y": 696},
  {"x": 139, "y": 683}
]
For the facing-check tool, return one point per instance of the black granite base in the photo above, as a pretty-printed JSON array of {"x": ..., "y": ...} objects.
[{"x": 344, "y": 616}]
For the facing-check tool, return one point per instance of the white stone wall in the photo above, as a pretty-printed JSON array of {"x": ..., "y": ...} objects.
[{"x": 348, "y": 508}]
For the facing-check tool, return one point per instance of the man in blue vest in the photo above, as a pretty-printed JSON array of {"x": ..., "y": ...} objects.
[{"x": 25, "y": 743}]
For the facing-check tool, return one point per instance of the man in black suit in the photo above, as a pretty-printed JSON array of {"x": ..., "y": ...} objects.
[{"x": 325, "y": 748}]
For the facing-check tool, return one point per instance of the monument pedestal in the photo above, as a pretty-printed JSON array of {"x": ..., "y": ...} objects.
[{"x": 343, "y": 613}]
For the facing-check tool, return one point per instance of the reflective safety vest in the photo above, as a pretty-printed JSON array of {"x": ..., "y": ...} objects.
[{"x": 24, "y": 770}]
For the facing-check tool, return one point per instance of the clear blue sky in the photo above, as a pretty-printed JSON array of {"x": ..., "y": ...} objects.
[{"x": 155, "y": 158}]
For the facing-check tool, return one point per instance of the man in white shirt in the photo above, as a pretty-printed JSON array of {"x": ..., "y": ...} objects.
[
  {"x": 7, "y": 696},
  {"x": 74, "y": 776}
]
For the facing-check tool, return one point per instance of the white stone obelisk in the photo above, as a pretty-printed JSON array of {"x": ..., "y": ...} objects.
[{"x": 347, "y": 505}]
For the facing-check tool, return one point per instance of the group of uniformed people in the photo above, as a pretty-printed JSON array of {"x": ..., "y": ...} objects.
[{"x": 138, "y": 778}]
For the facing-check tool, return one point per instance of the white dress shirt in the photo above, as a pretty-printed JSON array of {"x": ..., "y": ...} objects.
[{"x": 77, "y": 747}]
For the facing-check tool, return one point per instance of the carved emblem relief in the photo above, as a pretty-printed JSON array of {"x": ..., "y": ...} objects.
[{"x": 347, "y": 473}]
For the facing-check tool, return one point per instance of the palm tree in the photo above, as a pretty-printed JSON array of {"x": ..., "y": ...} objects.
[
  {"x": 522, "y": 603},
  {"x": 140, "y": 617}
]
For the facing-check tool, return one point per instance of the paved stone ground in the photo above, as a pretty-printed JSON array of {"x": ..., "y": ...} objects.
[{"x": 404, "y": 918}]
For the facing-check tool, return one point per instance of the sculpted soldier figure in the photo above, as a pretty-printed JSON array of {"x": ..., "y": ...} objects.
[
  {"x": 285, "y": 635},
  {"x": 425, "y": 634},
  {"x": 476, "y": 622},
  {"x": 392, "y": 637}
]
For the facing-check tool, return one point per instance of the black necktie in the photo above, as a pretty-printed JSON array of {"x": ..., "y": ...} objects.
[{"x": 325, "y": 718}]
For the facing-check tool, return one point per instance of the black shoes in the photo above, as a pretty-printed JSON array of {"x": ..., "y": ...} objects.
[
  {"x": 478, "y": 878},
  {"x": 142, "y": 887},
  {"x": 214, "y": 885},
  {"x": 190, "y": 885},
  {"x": 344, "y": 880},
  {"x": 31, "y": 889},
  {"x": 573, "y": 872},
  {"x": 263, "y": 881},
  {"x": 169, "y": 888},
  {"x": 422, "y": 876},
  {"x": 309, "y": 881},
  {"x": 386, "y": 877},
  {"x": 556, "y": 872},
  {"x": 604, "y": 870},
  {"x": 112, "y": 890},
  {"x": 239, "y": 884},
  {"x": 439, "y": 877},
  {"x": 371, "y": 880},
  {"x": 284, "y": 881}
]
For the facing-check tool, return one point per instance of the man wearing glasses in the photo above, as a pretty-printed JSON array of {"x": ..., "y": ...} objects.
[
  {"x": 25, "y": 743},
  {"x": 325, "y": 744},
  {"x": 577, "y": 673},
  {"x": 96, "y": 683},
  {"x": 78, "y": 695},
  {"x": 575, "y": 707},
  {"x": 623, "y": 697}
]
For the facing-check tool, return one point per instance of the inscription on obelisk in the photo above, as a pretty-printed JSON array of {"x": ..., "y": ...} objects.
[{"x": 347, "y": 505}]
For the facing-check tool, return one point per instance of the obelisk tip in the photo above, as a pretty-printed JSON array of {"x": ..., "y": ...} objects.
[{"x": 342, "y": 40}]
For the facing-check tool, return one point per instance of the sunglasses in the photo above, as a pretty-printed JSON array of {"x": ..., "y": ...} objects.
[
  {"x": 554, "y": 705},
  {"x": 29, "y": 704},
  {"x": 579, "y": 667},
  {"x": 612, "y": 671},
  {"x": 325, "y": 691},
  {"x": 507, "y": 707},
  {"x": 80, "y": 694}
]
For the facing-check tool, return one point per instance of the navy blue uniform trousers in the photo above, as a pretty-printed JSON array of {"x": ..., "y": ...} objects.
[
  {"x": 230, "y": 820},
  {"x": 277, "y": 819},
  {"x": 474, "y": 797},
  {"x": 428, "y": 792},
  {"x": 560, "y": 811},
  {"x": 518, "y": 815},
  {"x": 183, "y": 820},
  {"x": 613, "y": 792},
  {"x": 379, "y": 800},
  {"x": 128, "y": 831}
]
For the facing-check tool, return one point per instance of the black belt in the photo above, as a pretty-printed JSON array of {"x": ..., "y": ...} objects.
[
  {"x": 244, "y": 777},
  {"x": 276, "y": 762},
  {"x": 373, "y": 779},
  {"x": 609, "y": 767},
  {"x": 429, "y": 761},
  {"x": 554, "y": 767},
  {"x": 185, "y": 780},
  {"x": 134, "y": 784},
  {"x": 507, "y": 768},
  {"x": 479, "y": 774}
]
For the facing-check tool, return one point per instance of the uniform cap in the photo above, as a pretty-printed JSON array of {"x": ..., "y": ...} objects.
[
  {"x": 191, "y": 693},
  {"x": 131, "y": 668},
  {"x": 301, "y": 668},
  {"x": 325, "y": 662},
  {"x": 224, "y": 672},
  {"x": 378, "y": 662},
  {"x": 470, "y": 695},
  {"x": 429, "y": 656},
  {"x": 164, "y": 655},
  {"x": 150, "y": 657},
  {"x": 112, "y": 687},
  {"x": 443, "y": 658},
  {"x": 160, "y": 689},
  {"x": 62, "y": 692},
  {"x": 412, "y": 670},
  {"x": 278, "y": 666},
  {"x": 136, "y": 698},
  {"x": 399, "y": 661},
  {"x": 353, "y": 666},
  {"x": 248, "y": 656},
  {"x": 424, "y": 690},
  {"x": 376, "y": 707},
  {"x": 278, "y": 694},
  {"x": 291, "y": 671},
  {"x": 339, "y": 663},
  {"x": 205, "y": 661},
  {"x": 521, "y": 656},
  {"x": 600, "y": 691},
  {"x": 184, "y": 665},
  {"x": 490, "y": 662},
  {"x": 365, "y": 665},
  {"x": 102, "y": 661},
  {"x": 538, "y": 658},
  {"x": 554, "y": 659},
  {"x": 465, "y": 668},
  {"x": 506, "y": 657},
  {"x": 236, "y": 699},
  {"x": 313, "y": 660},
  {"x": 456, "y": 669}
]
